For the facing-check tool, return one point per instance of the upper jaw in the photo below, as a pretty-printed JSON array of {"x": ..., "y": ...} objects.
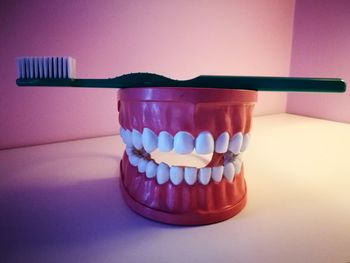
[
  {"x": 184, "y": 142},
  {"x": 189, "y": 110}
]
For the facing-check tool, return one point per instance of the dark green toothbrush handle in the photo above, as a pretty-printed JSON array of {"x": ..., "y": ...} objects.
[{"x": 135, "y": 80}]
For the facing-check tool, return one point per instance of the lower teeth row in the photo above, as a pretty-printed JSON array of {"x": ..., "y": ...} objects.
[{"x": 176, "y": 174}]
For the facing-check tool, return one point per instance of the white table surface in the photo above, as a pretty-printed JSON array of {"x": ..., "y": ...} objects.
[{"x": 61, "y": 203}]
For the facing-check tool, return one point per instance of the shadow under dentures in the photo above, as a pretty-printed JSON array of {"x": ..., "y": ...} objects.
[
  {"x": 49, "y": 209},
  {"x": 81, "y": 213}
]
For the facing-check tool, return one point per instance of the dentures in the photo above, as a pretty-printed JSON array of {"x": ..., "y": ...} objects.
[{"x": 165, "y": 131}]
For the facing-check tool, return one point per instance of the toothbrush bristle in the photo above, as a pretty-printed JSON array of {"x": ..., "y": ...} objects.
[{"x": 46, "y": 68}]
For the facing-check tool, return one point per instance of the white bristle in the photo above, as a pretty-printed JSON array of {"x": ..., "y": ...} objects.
[
  {"x": 59, "y": 67},
  {"x": 36, "y": 68},
  {"x": 26, "y": 61},
  {"x": 26, "y": 67},
  {"x": 70, "y": 67},
  {"x": 73, "y": 68},
  {"x": 41, "y": 67},
  {"x": 31, "y": 67},
  {"x": 64, "y": 72},
  {"x": 50, "y": 68},
  {"x": 45, "y": 67},
  {"x": 23, "y": 68},
  {"x": 54, "y": 67}
]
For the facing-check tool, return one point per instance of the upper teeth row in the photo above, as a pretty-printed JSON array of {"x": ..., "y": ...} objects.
[
  {"x": 183, "y": 142},
  {"x": 176, "y": 174}
]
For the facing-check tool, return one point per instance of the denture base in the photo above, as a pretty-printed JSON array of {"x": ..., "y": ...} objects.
[{"x": 182, "y": 204}]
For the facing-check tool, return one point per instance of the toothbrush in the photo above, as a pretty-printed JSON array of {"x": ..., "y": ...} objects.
[{"x": 60, "y": 71}]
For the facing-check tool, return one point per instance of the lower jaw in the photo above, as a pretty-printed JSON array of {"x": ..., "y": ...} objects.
[{"x": 182, "y": 204}]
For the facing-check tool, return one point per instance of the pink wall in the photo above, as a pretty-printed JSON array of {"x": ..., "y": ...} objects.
[
  {"x": 180, "y": 39},
  {"x": 321, "y": 48}
]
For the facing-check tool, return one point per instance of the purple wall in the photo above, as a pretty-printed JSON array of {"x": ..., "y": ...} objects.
[
  {"x": 180, "y": 39},
  {"x": 321, "y": 48}
]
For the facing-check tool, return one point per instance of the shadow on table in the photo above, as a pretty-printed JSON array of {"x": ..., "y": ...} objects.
[{"x": 85, "y": 212}]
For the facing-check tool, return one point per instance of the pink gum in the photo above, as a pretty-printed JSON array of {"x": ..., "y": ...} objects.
[
  {"x": 183, "y": 204},
  {"x": 186, "y": 109}
]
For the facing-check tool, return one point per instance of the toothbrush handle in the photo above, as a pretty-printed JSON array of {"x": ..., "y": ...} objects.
[
  {"x": 273, "y": 83},
  {"x": 203, "y": 81}
]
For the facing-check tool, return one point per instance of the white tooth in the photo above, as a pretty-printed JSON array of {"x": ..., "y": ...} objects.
[
  {"x": 204, "y": 175},
  {"x": 216, "y": 173},
  {"x": 141, "y": 166},
  {"x": 176, "y": 175},
  {"x": 229, "y": 171},
  {"x": 221, "y": 143},
  {"x": 236, "y": 143},
  {"x": 183, "y": 142},
  {"x": 245, "y": 143},
  {"x": 162, "y": 173},
  {"x": 134, "y": 160},
  {"x": 165, "y": 141},
  {"x": 237, "y": 164},
  {"x": 204, "y": 143},
  {"x": 129, "y": 151},
  {"x": 151, "y": 169},
  {"x": 126, "y": 136},
  {"x": 190, "y": 175},
  {"x": 137, "y": 139},
  {"x": 149, "y": 140}
]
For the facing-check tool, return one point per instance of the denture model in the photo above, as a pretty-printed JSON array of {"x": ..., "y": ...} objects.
[{"x": 184, "y": 139}]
